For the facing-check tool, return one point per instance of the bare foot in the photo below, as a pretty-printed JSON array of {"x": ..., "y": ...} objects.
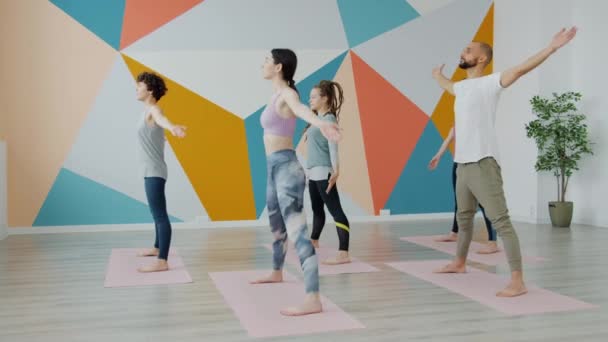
[
  {"x": 274, "y": 277},
  {"x": 148, "y": 252},
  {"x": 311, "y": 305},
  {"x": 490, "y": 248},
  {"x": 448, "y": 238},
  {"x": 341, "y": 258},
  {"x": 315, "y": 243},
  {"x": 514, "y": 289},
  {"x": 159, "y": 266},
  {"x": 453, "y": 267}
]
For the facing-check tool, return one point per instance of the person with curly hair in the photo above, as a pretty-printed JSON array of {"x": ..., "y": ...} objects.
[{"x": 150, "y": 147}]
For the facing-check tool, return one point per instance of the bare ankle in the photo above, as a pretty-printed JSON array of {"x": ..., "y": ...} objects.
[
  {"x": 517, "y": 277},
  {"x": 313, "y": 296},
  {"x": 459, "y": 262}
]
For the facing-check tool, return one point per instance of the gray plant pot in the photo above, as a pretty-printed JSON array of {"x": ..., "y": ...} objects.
[{"x": 561, "y": 213}]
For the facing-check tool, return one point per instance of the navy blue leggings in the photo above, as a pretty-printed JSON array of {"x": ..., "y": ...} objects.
[{"x": 155, "y": 192}]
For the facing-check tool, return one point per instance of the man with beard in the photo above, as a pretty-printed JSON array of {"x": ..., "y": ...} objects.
[{"x": 479, "y": 179}]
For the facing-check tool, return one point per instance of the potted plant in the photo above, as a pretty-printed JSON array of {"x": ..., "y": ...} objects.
[{"x": 561, "y": 136}]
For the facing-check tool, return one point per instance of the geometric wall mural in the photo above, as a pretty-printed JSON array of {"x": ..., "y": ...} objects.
[{"x": 210, "y": 53}]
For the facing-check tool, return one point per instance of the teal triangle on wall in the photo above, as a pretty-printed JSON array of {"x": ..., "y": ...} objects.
[
  {"x": 257, "y": 159},
  {"x": 77, "y": 200},
  {"x": 420, "y": 190},
  {"x": 102, "y": 17},
  {"x": 366, "y": 19}
]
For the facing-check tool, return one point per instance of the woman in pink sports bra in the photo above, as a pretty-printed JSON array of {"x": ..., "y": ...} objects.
[{"x": 286, "y": 177}]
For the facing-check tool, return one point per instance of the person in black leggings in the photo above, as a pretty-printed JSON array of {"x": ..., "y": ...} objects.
[{"x": 326, "y": 98}]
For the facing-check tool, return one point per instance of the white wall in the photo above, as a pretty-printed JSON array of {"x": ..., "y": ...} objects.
[
  {"x": 590, "y": 72},
  {"x": 512, "y": 42},
  {"x": 555, "y": 75},
  {"x": 3, "y": 185},
  {"x": 577, "y": 67}
]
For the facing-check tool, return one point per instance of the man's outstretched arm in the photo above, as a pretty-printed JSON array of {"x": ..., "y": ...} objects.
[{"x": 511, "y": 75}]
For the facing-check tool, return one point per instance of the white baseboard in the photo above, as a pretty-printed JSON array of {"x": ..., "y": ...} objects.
[{"x": 262, "y": 223}]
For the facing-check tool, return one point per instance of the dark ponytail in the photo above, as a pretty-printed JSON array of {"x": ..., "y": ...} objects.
[
  {"x": 292, "y": 85},
  {"x": 289, "y": 61}
]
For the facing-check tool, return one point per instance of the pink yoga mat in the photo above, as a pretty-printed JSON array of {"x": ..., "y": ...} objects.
[
  {"x": 355, "y": 266},
  {"x": 123, "y": 264},
  {"x": 450, "y": 248},
  {"x": 258, "y": 306},
  {"x": 482, "y": 286}
]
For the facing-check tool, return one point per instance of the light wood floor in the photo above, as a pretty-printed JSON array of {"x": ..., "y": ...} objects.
[{"x": 51, "y": 288}]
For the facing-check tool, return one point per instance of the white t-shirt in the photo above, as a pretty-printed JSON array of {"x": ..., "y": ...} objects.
[{"x": 475, "y": 116}]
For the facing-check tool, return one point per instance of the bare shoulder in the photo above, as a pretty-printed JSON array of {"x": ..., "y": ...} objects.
[
  {"x": 155, "y": 114},
  {"x": 288, "y": 93},
  {"x": 155, "y": 110}
]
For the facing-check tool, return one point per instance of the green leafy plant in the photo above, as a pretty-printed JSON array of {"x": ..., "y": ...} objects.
[{"x": 561, "y": 136}]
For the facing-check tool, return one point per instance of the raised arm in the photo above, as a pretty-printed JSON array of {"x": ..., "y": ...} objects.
[
  {"x": 163, "y": 121},
  {"x": 330, "y": 130},
  {"x": 443, "y": 81},
  {"x": 560, "y": 39}
]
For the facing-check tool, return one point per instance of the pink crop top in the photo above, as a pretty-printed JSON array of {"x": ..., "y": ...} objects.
[{"x": 275, "y": 124}]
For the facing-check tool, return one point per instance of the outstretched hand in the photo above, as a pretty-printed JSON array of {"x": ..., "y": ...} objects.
[
  {"x": 438, "y": 71},
  {"x": 562, "y": 37},
  {"x": 178, "y": 131}
]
